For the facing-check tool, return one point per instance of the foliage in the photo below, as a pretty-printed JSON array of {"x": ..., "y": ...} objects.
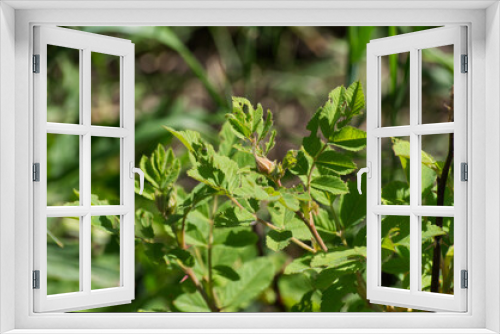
[{"x": 287, "y": 68}]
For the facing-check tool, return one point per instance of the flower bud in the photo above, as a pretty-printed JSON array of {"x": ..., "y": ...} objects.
[{"x": 264, "y": 165}]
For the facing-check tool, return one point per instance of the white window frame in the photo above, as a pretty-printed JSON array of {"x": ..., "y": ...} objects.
[
  {"x": 483, "y": 21},
  {"x": 85, "y": 43},
  {"x": 413, "y": 43}
]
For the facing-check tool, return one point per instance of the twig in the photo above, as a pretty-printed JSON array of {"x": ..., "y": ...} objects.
[{"x": 273, "y": 227}]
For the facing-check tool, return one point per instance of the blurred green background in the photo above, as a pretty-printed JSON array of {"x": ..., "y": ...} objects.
[{"x": 184, "y": 78}]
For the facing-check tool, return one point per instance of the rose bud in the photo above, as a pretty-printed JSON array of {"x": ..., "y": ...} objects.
[{"x": 264, "y": 165}]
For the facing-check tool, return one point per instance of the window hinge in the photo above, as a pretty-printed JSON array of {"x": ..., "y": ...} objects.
[
  {"x": 36, "y": 63},
  {"x": 465, "y": 279},
  {"x": 464, "y": 172},
  {"x": 465, "y": 64},
  {"x": 36, "y": 172},
  {"x": 36, "y": 279}
]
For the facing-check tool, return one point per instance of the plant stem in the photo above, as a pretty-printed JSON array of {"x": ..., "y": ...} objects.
[
  {"x": 310, "y": 222},
  {"x": 210, "y": 302},
  {"x": 273, "y": 227},
  {"x": 441, "y": 187},
  {"x": 338, "y": 224},
  {"x": 209, "y": 251},
  {"x": 312, "y": 228}
]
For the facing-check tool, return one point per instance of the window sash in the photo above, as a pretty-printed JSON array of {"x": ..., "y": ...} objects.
[
  {"x": 413, "y": 43},
  {"x": 85, "y": 42}
]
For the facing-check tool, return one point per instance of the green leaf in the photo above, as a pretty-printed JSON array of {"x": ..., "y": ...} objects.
[
  {"x": 289, "y": 201},
  {"x": 256, "y": 275},
  {"x": 146, "y": 220},
  {"x": 191, "y": 302},
  {"x": 190, "y": 139},
  {"x": 332, "y": 110},
  {"x": 218, "y": 172},
  {"x": 336, "y": 162},
  {"x": 332, "y": 297},
  {"x": 267, "y": 125},
  {"x": 162, "y": 168},
  {"x": 329, "y": 275},
  {"x": 233, "y": 216},
  {"x": 241, "y": 239},
  {"x": 271, "y": 142},
  {"x": 353, "y": 205},
  {"x": 227, "y": 140},
  {"x": 396, "y": 193},
  {"x": 430, "y": 231},
  {"x": 278, "y": 240},
  {"x": 239, "y": 128},
  {"x": 182, "y": 255},
  {"x": 338, "y": 258},
  {"x": 280, "y": 215},
  {"x": 329, "y": 183},
  {"x": 355, "y": 98},
  {"x": 349, "y": 138},
  {"x": 227, "y": 272},
  {"x": 298, "y": 265},
  {"x": 312, "y": 145},
  {"x": 302, "y": 165},
  {"x": 299, "y": 229}
]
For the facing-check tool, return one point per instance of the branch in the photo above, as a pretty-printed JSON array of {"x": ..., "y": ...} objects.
[
  {"x": 273, "y": 227},
  {"x": 441, "y": 187}
]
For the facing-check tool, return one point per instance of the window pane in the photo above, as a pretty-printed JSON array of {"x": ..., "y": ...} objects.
[
  {"x": 437, "y": 84},
  {"x": 437, "y": 254},
  {"x": 63, "y": 169},
  {"x": 105, "y": 171},
  {"x": 395, "y": 163},
  {"x": 105, "y": 255},
  {"x": 395, "y": 89},
  {"x": 437, "y": 170},
  {"x": 63, "y": 85},
  {"x": 63, "y": 255},
  {"x": 105, "y": 89},
  {"x": 395, "y": 253}
]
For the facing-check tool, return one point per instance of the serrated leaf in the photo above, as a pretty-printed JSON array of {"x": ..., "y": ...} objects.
[
  {"x": 241, "y": 239},
  {"x": 182, "y": 255},
  {"x": 233, "y": 216},
  {"x": 349, "y": 138},
  {"x": 190, "y": 139},
  {"x": 227, "y": 272},
  {"x": 355, "y": 98},
  {"x": 339, "y": 258},
  {"x": 278, "y": 240},
  {"x": 227, "y": 140},
  {"x": 312, "y": 145},
  {"x": 290, "y": 201},
  {"x": 256, "y": 275},
  {"x": 267, "y": 125},
  {"x": 396, "y": 193},
  {"x": 353, "y": 205},
  {"x": 271, "y": 142},
  {"x": 336, "y": 162},
  {"x": 303, "y": 164},
  {"x": 298, "y": 265},
  {"x": 191, "y": 302},
  {"x": 332, "y": 184}
]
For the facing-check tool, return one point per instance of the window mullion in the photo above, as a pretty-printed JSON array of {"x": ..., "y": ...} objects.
[
  {"x": 85, "y": 166},
  {"x": 415, "y": 157}
]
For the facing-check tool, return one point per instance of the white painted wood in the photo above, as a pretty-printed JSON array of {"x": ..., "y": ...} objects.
[
  {"x": 414, "y": 42},
  {"x": 7, "y": 167},
  {"x": 86, "y": 43},
  {"x": 491, "y": 162},
  {"x": 471, "y": 322}
]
